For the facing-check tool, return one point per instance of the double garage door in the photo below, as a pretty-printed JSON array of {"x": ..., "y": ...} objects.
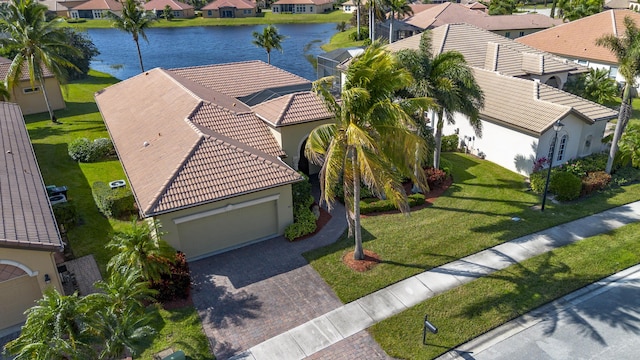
[
  {"x": 224, "y": 230},
  {"x": 16, "y": 296}
]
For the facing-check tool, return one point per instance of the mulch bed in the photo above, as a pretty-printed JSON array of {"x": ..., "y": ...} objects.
[{"x": 371, "y": 259}]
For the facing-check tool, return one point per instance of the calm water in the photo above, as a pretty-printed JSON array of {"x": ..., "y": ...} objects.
[{"x": 180, "y": 47}]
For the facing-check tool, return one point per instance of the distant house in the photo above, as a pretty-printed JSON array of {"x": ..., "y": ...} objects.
[
  {"x": 230, "y": 9},
  {"x": 95, "y": 9},
  {"x": 30, "y": 98},
  {"x": 302, "y": 6},
  {"x": 429, "y": 16},
  {"x": 351, "y": 7},
  {"x": 61, "y": 8},
  {"x": 223, "y": 152},
  {"x": 329, "y": 63},
  {"x": 576, "y": 40},
  {"x": 522, "y": 100},
  {"x": 29, "y": 235},
  {"x": 179, "y": 10}
]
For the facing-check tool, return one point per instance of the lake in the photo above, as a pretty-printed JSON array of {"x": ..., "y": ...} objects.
[{"x": 192, "y": 46}]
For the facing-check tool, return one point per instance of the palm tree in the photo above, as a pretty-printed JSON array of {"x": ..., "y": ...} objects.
[
  {"x": 141, "y": 248},
  {"x": 358, "y": 4},
  {"x": 449, "y": 81},
  {"x": 121, "y": 330},
  {"x": 400, "y": 7},
  {"x": 269, "y": 39},
  {"x": 125, "y": 288},
  {"x": 38, "y": 44},
  {"x": 370, "y": 141},
  {"x": 134, "y": 20},
  {"x": 627, "y": 50},
  {"x": 55, "y": 329}
]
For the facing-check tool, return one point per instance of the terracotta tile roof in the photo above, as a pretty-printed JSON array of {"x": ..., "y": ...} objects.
[
  {"x": 531, "y": 106},
  {"x": 238, "y": 4},
  {"x": 164, "y": 144},
  {"x": 307, "y": 2},
  {"x": 250, "y": 81},
  {"x": 448, "y": 13},
  {"x": 161, "y": 4},
  {"x": 484, "y": 49},
  {"x": 293, "y": 109},
  {"x": 6, "y": 63},
  {"x": 26, "y": 218},
  {"x": 577, "y": 39},
  {"x": 99, "y": 5}
]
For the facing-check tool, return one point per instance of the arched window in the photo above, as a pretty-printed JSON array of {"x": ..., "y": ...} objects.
[{"x": 562, "y": 147}]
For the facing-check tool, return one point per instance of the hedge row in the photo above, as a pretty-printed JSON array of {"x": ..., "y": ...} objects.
[{"x": 114, "y": 203}]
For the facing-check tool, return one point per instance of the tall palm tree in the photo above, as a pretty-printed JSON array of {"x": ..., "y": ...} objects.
[
  {"x": 399, "y": 7},
  {"x": 269, "y": 39},
  {"x": 134, "y": 20},
  {"x": 449, "y": 81},
  {"x": 122, "y": 330},
  {"x": 371, "y": 141},
  {"x": 358, "y": 4},
  {"x": 141, "y": 248},
  {"x": 38, "y": 44},
  {"x": 125, "y": 288},
  {"x": 627, "y": 50}
]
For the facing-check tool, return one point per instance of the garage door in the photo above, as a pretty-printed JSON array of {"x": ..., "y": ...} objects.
[
  {"x": 16, "y": 296},
  {"x": 228, "y": 229}
]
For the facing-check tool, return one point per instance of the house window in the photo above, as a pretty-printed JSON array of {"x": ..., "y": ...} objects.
[
  {"x": 583, "y": 62},
  {"x": 613, "y": 72},
  {"x": 521, "y": 33},
  {"x": 97, "y": 14},
  {"x": 177, "y": 14},
  {"x": 562, "y": 147},
  {"x": 310, "y": 8},
  {"x": 209, "y": 12},
  {"x": 507, "y": 34},
  {"x": 30, "y": 90},
  {"x": 74, "y": 14},
  {"x": 347, "y": 8}
]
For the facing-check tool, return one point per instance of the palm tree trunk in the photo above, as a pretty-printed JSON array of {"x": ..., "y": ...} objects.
[
  {"x": 391, "y": 27},
  {"x": 269, "y": 57},
  {"x": 139, "y": 55},
  {"x": 358, "y": 19},
  {"x": 552, "y": 14},
  {"x": 358, "y": 253},
  {"x": 438, "y": 138},
  {"x": 46, "y": 101},
  {"x": 372, "y": 21},
  {"x": 623, "y": 118}
]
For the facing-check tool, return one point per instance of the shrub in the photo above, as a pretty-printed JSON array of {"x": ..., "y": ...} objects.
[
  {"x": 81, "y": 149},
  {"x": 582, "y": 166},
  {"x": 301, "y": 192},
  {"x": 565, "y": 185},
  {"x": 435, "y": 177},
  {"x": 102, "y": 148},
  {"x": 373, "y": 205},
  {"x": 446, "y": 166},
  {"x": 114, "y": 203},
  {"x": 595, "y": 181},
  {"x": 537, "y": 181},
  {"x": 305, "y": 223},
  {"x": 626, "y": 175},
  {"x": 450, "y": 143},
  {"x": 364, "y": 34},
  {"x": 540, "y": 164},
  {"x": 177, "y": 283},
  {"x": 66, "y": 215}
]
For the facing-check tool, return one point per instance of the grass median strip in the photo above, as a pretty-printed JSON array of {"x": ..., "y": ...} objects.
[{"x": 477, "y": 307}]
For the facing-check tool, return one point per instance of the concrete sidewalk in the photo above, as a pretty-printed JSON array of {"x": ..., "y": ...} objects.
[{"x": 351, "y": 318}]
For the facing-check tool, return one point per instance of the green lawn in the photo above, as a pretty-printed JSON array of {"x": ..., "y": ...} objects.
[
  {"x": 479, "y": 306},
  {"x": 341, "y": 40},
  {"x": 474, "y": 214},
  {"x": 179, "y": 328},
  {"x": 268, "y": 17}
]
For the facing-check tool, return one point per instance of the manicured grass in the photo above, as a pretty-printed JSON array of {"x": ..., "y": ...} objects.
[
  {"x": 268, "y": 17},
  {"x": 342, "y": 40},
  {"x": 479, "y": 306},
  {"x": 474, "y": 214}
]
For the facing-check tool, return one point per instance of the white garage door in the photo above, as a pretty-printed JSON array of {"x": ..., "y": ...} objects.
[
  {"x": 228, "y": 229},
  {"x": 16, "y": 296}
]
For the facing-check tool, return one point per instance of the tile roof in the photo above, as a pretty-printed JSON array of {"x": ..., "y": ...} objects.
[
  {"x": 99, "y": 5},
  {"x": 484, "y": 49},
  {"x": 27, "y": 220},
  {"x": 180, "y": 149},
  {"x": 238, "y": 4},
  {"x": 531, "y": 106},
  {"x": 293, "y": 109},
  {"x": 161, "y": 4},
  {"x": 301, "y": 2},
  {"x": 577, "y": 39},
  {"x": 448, "y": 13},
  {"x": 250, "y": 81},
  {"x": 6, "y": 63}
]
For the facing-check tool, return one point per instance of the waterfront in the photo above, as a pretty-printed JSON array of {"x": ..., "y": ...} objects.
[{"x": 193, "y": 46}]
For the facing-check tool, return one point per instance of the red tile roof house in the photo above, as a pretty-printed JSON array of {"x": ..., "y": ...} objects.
[
  {"x": 522, "y": 100},
  {"x": 95, "y": 9},
  {"x": 213, "y": 158},
  {"x": 30, "y": 98},
  {"x": 29, "y": 236},
  {"x": 302, "y": 6},
  {"x": 230, "y": 9},
  {"x": 576, "y": 40},
  {"x": 178, "y": 9}
]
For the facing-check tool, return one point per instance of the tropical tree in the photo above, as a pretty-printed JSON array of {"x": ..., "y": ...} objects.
[
  {"x": 400, "y": 7},
  {"x": 376, "y": 13},
  {"x": 122, "y": 330},
  {"x": 125, "y": 288},
  {"x": 371, "y": 141},
  {"x": 54, "y": 329},
  {"x": 133, "y": 20},
  {"x": 630, "y": 146},
  {"x": 502, "y": 7},
  {"x": 448, "y": 80},
  {"x": 571, "y": 10},
  {"x": 627, "y": 50},
  {"x": 141, "y": 247},
  {"x": 4, "y": 93},
  {"x": 167, "y": 13},
  {"x": 268, "y": 39},
  {"x": 596, "y": 85},
  {"x": 38, "y": 45}
]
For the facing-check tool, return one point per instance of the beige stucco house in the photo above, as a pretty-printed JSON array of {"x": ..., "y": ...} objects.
[
  {"x": 230, "y": 9},
  {"x": 95, "y": 9},
  {"x": 29, "y": 236},
  {"x": 30, "y": 97},
  {"x": 179, "y": 10},
  {"x": 302, "y": 6},
  {"x": 211, "y": 157}
]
